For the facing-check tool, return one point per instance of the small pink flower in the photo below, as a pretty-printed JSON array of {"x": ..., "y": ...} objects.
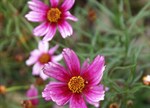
[
  {"x": 52, "y": 16},
  {"x": 33, "y": 93},
  {"x": 39, "y": 57},
  {"x": 74, "y": 84}
]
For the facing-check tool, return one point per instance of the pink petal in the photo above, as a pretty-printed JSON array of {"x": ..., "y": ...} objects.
[
  {"x": 85, "y": 65},
  {"x": 56, "y": 71},
  {"x": 77, "y": 101},
  {"x": 35, "y": 52},
  {"x": 72, "y": 61},
  {"x": 33, "y": 57},
  {"x": 54, "y": 3},
  {"x": 94, "y": 94},
  {"x": 58, "y": 92},
  {"x": 53, "y": 49},
  {"x": 67, "y": 4},
  {"x": 51, "y": 32},
  {"x": 94, "y": 72},
  {"x": 69, "y": 16},
  {"x": 43, "y": 46},
  {"x": 57, "y": 58},
  {"x": 46, "y": 94},
  {"x": 65, "y": 29},
  {"x": 33, "y": 92},
  {"x": 36, "y": 16},
  {"x": 96, "y": 104},
  {"x": 36, "y": 69},
  {"x": 41, "y": 30},
  {"x": 31, "y": 60},
  {"x": 38, "y": 6},
  {"x": 43, "y": 76}
]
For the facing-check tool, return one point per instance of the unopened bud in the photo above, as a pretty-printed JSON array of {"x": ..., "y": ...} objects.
[
  {"x": 2, "y": 89},
  {"x": 129, "y": 103},
  {"x": 146, "y": 80},
  {"x": 114, "y": 105},
  {"x": 27, "y": 104}
]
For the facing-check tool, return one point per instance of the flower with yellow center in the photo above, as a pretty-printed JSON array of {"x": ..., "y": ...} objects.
[
  {"x": 53, "y": 15},
  {"x": 51, "y": 18},
  {"x": 76, "y": 84}
]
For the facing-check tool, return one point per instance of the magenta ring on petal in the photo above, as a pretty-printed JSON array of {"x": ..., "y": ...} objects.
[{"x": 74, "y": 85}]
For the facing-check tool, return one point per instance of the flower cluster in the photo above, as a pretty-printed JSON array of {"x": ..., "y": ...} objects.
[{"x": 75, "y": 85}]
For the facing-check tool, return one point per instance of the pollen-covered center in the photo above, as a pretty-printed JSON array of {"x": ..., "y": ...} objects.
[
  {"x": 76, "y": 84},
  {"x": 53, "y": 15},
  {"x": 44, "y": 58}
]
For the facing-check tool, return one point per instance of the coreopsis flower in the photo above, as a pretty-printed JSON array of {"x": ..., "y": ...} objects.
[
  {"x": 39, "y": 57},
  {"x": 146, "y": 80},
  {"x": 51, "y": 17},
  {"x": 31, "y": 93},
  {"x": 74, "y": 84}
]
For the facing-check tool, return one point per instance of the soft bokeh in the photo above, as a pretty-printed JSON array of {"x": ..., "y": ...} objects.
[{"x": 116, "y": 29}]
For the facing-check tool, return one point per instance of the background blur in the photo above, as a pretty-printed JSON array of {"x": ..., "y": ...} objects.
[{"x": 117, "y": 29}]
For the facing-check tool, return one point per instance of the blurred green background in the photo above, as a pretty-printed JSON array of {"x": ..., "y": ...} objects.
[{"x": 117, "y": 29}]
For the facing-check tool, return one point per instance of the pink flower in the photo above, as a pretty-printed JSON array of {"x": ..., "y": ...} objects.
[
  {"x": 39, "y": 57},
  {"x": 33, "y": 93},
  {"x": 51, "y": 17},
  {"x": 74, "y": 84}
]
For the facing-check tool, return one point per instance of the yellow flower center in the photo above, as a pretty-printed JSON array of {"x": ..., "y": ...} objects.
[
  {"x": 44, "y": 58},
  {"x": 76, "y": 84},
  {"x": 53, "y": 15}
]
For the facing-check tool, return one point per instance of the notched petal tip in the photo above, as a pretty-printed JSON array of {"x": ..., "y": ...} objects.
[
  {"x": 69, "y": 16},
  {"x": 46, "y": 93},
  {"x": 27, "y": 63},
  {"x": 66, "y": 50},
  {"x": 27, "y": 16},
  {"x": 72, "y": 61},
  {"x": 65, "y": 29},
  {"x": 67, "y": 4}
]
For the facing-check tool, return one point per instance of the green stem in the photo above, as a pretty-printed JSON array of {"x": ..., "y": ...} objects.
[
  {"x": 15, "y": 88},
  {"x": 126, "y": 43}
]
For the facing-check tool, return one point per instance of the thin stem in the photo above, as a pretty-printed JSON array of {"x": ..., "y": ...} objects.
[{"x": 15, "y": 88}]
